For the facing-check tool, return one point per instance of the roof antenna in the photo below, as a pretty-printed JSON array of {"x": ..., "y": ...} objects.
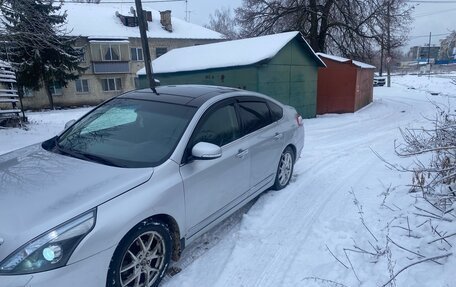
[
  {"x": 186, "y": 11},
  {"x": 145, "y": 46}
]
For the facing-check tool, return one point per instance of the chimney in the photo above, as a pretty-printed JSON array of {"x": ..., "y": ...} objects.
[{"x": 165, "y": 20}]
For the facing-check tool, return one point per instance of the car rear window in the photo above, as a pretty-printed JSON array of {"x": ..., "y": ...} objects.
[
  {"x": 255, "y": 115},
  {"x": 276, "y": 111}
]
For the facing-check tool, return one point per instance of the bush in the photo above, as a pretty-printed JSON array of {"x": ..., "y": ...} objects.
[{"x": 434, "y": 150}]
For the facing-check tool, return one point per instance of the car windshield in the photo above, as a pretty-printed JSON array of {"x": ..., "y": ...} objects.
[{"x": 127, "y": 133}]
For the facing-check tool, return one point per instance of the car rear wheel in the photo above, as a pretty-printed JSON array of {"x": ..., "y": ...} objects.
[
  {"x": 284, "y": 169},
  {"x": 142, "y": 257}
]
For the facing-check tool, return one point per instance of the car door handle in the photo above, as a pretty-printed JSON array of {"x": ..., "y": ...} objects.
[
  {"x": 242, "y": 153},
  {"x": 278, "y": 136}
]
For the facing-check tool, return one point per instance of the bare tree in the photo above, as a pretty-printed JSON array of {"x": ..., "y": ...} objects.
[
  {"x": 223, "y": 22},
  {"x": 448, "y": 46},
  {"x": 391, "y": 28},
  {"x": 348, "y": 27}
]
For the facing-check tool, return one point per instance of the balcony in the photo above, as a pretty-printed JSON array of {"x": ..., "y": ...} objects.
[{"x": 114, "y": 67}]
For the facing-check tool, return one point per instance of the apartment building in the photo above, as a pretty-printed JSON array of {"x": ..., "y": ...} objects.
[{"x": 109, "y": 37}]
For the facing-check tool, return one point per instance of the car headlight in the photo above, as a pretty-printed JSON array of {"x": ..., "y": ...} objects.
[{"x": 50, "y": 250}]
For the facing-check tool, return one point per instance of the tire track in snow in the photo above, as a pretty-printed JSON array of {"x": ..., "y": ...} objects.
[
  {"x": 276, "y": 264},
  {"x": 281, "y": 245}
]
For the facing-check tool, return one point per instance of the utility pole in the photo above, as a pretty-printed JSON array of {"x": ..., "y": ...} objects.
[
  {"x": 186, "y": 11},
  {"x": 388, "y": 43},
  {"x": 145, "y": 45},
  {"x": 381, "y": 55},
  {"x": 429, "y": 55}
]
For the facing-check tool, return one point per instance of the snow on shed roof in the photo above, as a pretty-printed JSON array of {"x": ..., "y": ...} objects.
[
  {"x": 4, "y": 64},
  {"x": 225, "y": 54},
  {"x": 100, "y": 21},
  {"x": 345, "y": 60}
]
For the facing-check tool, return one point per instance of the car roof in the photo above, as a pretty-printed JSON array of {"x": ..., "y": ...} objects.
[{"x": 189, "y": 95}]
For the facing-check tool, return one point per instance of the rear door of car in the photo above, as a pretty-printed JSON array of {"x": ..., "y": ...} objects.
[
  {"x": 214, "y": 187},
  {"x": 260, "y": 130}
]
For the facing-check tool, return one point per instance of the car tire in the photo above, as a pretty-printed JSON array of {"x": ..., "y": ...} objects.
[
  {"x": 143, "y": 255},
  {"x": 284, "y": 169}
]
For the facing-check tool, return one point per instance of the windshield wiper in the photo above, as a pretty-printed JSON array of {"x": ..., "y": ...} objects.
[
  {"x": 85, "y": 156},
  {"x": 98, "y": 159}
]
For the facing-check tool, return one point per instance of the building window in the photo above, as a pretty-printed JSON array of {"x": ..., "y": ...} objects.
[
  {"x": 27, "y": 93},
  {"x": 56, "y": 88},
  {"x": 160, "y": 51},
  {"x": 112, "y": 84},
  {"x": 111, "y": 52},
  {"x": 82, "y": 86},
  {"x": 136, "y": 54}
]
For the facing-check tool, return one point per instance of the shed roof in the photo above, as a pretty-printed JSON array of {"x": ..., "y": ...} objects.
[
  {"x": 4, "y": 64},
  {"x": 227, "y": 54},
  {"x": 345, "y": 60},
  {"x": 100, "y": 21}
]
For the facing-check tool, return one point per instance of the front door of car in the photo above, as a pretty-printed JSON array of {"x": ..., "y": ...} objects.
[
  {"x": 265, "y": 142},
  {"x": 213, "y": 187}
]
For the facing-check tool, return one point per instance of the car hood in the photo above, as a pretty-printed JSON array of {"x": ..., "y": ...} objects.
[{"x": 40, "y": 190}]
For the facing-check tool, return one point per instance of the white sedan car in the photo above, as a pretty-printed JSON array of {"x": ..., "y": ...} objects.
[{"x": 122, "y": 191}]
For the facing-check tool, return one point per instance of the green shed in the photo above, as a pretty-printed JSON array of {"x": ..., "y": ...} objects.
[{"x": 282, "y": 66}]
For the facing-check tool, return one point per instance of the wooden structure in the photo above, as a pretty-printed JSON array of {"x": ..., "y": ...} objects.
[
  {"x": 282, "y": 66},
  {"x": 345, "y": 86},
  {"x": 9, "y": 98}
]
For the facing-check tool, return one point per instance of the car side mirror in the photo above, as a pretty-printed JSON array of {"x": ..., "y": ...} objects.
[
  {"x": 69, "y": 123},
  {"x": 204, "y": 150}
]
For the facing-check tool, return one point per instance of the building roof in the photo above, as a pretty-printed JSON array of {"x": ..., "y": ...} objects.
[
  {"x": 227, "y": 54},
  {"x": 345, "y": 60},
  {"x": 100, "y": 21}
]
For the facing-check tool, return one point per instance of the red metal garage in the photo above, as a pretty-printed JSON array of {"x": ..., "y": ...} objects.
[{"x": 345, "y": 86}]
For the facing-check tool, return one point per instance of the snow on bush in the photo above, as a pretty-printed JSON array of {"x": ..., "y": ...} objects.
[
  {"x": 423, "y": 230},
  {"x": 435, "y": 175}
]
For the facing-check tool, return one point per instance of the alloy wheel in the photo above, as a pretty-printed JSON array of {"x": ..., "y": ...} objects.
[
  {"x": 285, "y": 168},
  {"x": 144, "y": 260}
]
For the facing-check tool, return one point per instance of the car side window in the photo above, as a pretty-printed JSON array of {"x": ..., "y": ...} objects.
[
  {"x": 254, "y": 115},
  {"x": 220, "y": 127},
  {"x": 276, "y": 111}
]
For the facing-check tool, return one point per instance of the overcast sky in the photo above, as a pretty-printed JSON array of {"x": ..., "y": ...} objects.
[{"x": 438, "y": 18}]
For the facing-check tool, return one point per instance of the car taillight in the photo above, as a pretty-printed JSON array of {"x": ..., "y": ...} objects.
[{"x": 299, "y": 120}]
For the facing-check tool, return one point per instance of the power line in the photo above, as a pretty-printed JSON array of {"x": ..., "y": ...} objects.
[
  {"x": 426, "y": 36},
  {"x": 434, "y": 13}
]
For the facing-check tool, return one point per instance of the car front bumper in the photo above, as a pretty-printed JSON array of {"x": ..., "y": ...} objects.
[{"x": 90, "y": 272}]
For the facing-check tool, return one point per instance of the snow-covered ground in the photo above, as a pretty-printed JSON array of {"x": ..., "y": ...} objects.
[
  {"x": 42, "y": 126},
  {"x": 329, "y": 227}
]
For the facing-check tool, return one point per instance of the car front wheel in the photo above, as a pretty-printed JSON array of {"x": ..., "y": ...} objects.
[
  {"x": 142, "y": 257},
  {"x": 284, "y": 169}
]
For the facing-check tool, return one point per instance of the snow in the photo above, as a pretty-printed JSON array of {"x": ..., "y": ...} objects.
[
  {"x": 440, "y": 84},
  {"x": 284, "y": 238},
  {"x": 4, "y": 64},
  {"x": 100, "y": 21},
  {"x": 345, "y": 60},
  {"x": 43, "y": 126},
  {"x": 234, "y": 53}
]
